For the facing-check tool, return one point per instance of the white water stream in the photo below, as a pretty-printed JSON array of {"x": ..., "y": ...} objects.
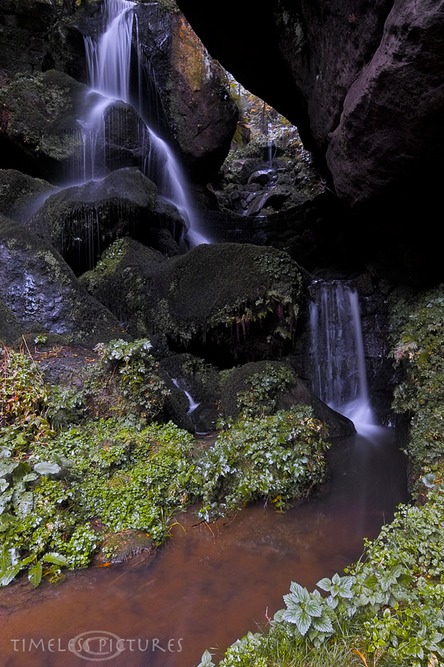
[
  {"x": 340, "y": 375},
  {"x": 109, "y": 61}
]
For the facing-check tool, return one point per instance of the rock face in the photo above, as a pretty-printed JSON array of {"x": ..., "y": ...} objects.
[
  {"x": 40, "y": 293},
  {"x": 363, "y": 82},
  {"x": 23, "y": 29},
  {"x": 191, "y": 90}
]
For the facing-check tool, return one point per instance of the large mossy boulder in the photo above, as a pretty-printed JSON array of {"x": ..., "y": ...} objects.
[
  {"x": 83, "y": 220},
  {"x": 41, "y": 293},
  {"x": 227, "y": 302},
  {"x": 39, "y": 130}
]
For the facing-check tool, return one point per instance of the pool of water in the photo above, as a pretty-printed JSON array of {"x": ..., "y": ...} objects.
[{"x": 210, "y": 584}]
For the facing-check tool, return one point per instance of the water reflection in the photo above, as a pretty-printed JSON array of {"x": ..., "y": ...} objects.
[{"x": 210, "y": 584}]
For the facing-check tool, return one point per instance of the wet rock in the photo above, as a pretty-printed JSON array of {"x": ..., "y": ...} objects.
[
  {"x": 191, "y": 88},
  {"x": 82, "y": 221},
  {"x": 194, "y": 400},
  {"x": 43, "y": 295}
]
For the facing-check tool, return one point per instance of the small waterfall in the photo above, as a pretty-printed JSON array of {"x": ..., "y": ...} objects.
[
  {"x": 337, "y": 348},
  {"x": 269, "y": 146},
  {"x": 109, "y": 62},
  {"x": 192, "y": 405}
]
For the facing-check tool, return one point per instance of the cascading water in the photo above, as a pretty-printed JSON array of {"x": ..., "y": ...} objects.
[
  {"x": 337, "y": 348},
  {"x": 109, "y": 61},
  {"x": 192, "y": 405}
]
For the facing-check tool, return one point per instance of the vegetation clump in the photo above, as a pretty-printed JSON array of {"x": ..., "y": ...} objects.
[
  {"x": 276, "y": 457},
  {"x": 77, "y": 468},
  {"x": 418, "y": 353}
]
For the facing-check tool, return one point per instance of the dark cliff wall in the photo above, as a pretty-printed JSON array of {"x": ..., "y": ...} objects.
[{"x": 364, "y": 83}]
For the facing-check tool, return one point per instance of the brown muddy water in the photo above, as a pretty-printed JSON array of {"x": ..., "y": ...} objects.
[{"x": 210, "y": 584}]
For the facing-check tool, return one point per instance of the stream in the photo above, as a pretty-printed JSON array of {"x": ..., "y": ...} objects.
[{"x": 209, "y": 584}]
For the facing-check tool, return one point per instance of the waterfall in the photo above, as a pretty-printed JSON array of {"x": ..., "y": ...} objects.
[
  {"x": 337, "y": 351},
  {"x": 109, "y": 62},
  {"x": 192, "y": 405}
]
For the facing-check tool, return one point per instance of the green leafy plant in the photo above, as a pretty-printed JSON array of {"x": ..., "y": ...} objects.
[
  {"x": 277, "y": 458},
  {"x": 263, "y": 390},
  {"x": 23, "y": 400},
  {"x": 308, "y": 613},
  {"x": 127, "y": 379}
]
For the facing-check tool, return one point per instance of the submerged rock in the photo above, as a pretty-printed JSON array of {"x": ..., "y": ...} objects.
[{"x": 124, "y": 546}]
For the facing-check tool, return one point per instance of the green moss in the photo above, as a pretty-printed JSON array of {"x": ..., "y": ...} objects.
[
  {"x": 221, "y": 291},
  {"x": 418, "y": 353}
]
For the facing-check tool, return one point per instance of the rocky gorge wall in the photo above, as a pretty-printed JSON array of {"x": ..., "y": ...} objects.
[{"x": 364, "y": 84}]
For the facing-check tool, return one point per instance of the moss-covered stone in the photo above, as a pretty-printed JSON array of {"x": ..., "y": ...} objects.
[
  {"x": 39, "y": 132},
  {"x": 232, "y": 301},
  {"x": 20, "y": 194},
  {"x": 263, "y": 388},
  {"x": 119, "y": 282}
]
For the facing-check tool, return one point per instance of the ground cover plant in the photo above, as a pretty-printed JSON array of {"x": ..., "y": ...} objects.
[{"x": 80, "y": 466}]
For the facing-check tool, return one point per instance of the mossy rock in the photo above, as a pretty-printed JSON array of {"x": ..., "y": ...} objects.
[
  {"x": 119, "y": 282},
  {"x": 226, "y": 302},
  {"x": 263, "y": 388},
  {"x": 20, "y": 194},
  {"x": 39, "y": 134},
  {"x": 10, "y": 328}
]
